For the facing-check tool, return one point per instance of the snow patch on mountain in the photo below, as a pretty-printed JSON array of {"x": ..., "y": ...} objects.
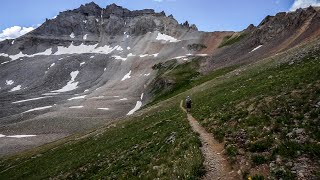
[
  {"x": 21, "y": 136},
  {"x": 32, "y": 99},
  {"x": 105, "y": 109},
  {"x": 20, "y": 55},
  {"x": 75, "y": 107},
  {"x": 256, "y": 48},
  {"x": 71, "y": 85},
  {"x": 136, "y": 108},
  {"x": 119, "y": 58},
  {"x": 9, "y": 82},
  {"x": 38, "y": 109},
  {"x": 72, "y": 35},
  {"x": 17, "y": 88},
  {"x": 76, "y": 98},
  {"x": 127, "y": 76},
  {"x": 85, "y": 37},
  {"x": 164, "y": 37},
  {"x": 82, "y": 49}
]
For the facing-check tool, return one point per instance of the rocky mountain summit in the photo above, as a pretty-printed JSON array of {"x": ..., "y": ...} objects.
[{"x": 112, "y": 21}]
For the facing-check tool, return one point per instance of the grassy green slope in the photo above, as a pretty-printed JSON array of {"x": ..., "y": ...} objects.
[
  {"x": 229, "y": 40},
  {"x": 267, "y": 115},
  {"x": 183, "y": 77},
  {"x": 159, "y": 144}
]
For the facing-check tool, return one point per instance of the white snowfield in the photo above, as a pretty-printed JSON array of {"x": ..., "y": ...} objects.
[
  {"x": 256, "y": 48},
  {"x": 50, "y": 94},
  {"x": 38, "y": 109},
  {"x": 52, "y": 65},
  {"x": 4, "y": 62},
  {"x": 17, "y": 88},
  {"x": 17, "y": 136},
  {"x": 148, "y": 55},
  {"x": 21, "y": 136},
  {"x": 85, "y": 37},
  {"x": 119, "y": 48},
  {"x": 9, "y": 82},
  {"x": 82, "y": 48},
  {"x": 136, "y": 108},
  {"x": 105, "y": 109},
  {"x": 20, "y": 55},
  {"x": 119, "y": 58},
  {"x": 72, "y": 49},
  {"x": 83, "y": 63},
  {"x": 124, "y": 99},
  {"x": 164, "y": 37},
  {"x": 131, "y": 55},
  {"x": 72, "y": 35},
  {"x": 32, "y": 99},
  {"x": 144, "y": 55},
  {"x": 76, "y": 98},
  {"x": 71, "y": 85},
  {"x": 127, "y": 76},
  {"x": 75, "y": 107}
]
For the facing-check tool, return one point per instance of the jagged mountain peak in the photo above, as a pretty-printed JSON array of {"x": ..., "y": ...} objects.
[{"x": 101, "y": 23}]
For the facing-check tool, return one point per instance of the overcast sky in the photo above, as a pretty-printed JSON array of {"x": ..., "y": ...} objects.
[{"x": 20, "y": 16}]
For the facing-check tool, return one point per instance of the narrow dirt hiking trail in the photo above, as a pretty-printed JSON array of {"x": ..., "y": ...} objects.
[{"x": 216, "y": 165}]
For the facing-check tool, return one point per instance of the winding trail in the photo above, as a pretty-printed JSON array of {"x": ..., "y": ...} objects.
[{"x": 217, "y": 167}]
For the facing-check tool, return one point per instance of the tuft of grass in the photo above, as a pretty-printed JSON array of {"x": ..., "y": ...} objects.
[
  {"x": 257, "y": 177},
  {"x": 231, "y": 150},
  {"x": 258, "y": 159},
  {"x": 260, "y": 146}
]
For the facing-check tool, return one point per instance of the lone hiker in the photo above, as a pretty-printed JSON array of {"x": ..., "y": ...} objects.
[{"x": 188, "y": 104}]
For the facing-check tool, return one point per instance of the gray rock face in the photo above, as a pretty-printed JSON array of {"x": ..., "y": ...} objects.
[
  {"x": 283, "y": 24},
  {"x": 111, "y": 21}
]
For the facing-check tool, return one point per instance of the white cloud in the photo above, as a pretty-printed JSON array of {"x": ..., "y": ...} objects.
[
  {"x": 14, "y": 32},
  {"x": 158, "y": 0},
  {"x": 304, "y": 4}
]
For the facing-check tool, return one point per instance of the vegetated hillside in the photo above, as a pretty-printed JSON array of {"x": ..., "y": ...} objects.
[{"x": 263, "y": 105}]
